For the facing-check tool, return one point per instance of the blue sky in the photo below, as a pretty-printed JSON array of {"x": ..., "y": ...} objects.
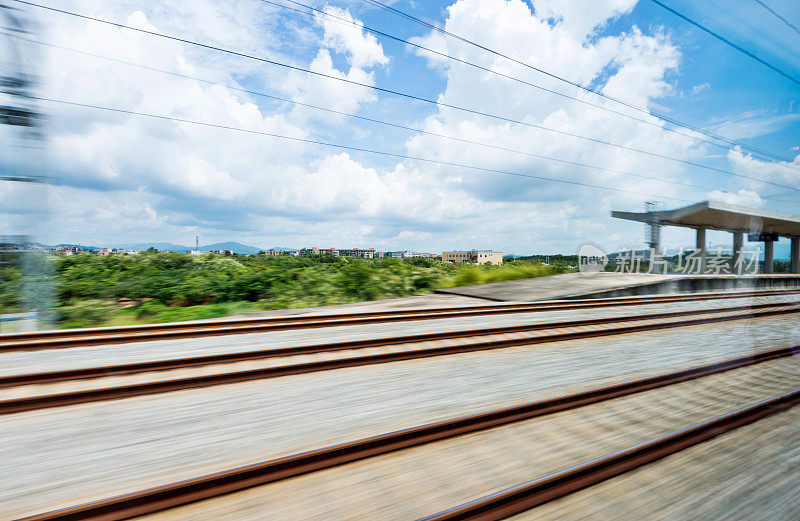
[{"x": 125, "y": 178}]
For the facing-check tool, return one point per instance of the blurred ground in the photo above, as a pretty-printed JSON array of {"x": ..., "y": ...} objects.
[{"x": 85, "y": 452}]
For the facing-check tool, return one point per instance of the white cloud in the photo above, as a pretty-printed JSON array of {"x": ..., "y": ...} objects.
[
  {"x": 753, "y": 123},
  {"x": 327, "y": 92},
  {"x": 155, "y": 180},
  {"x": 361, "y": 51},
  {"x": 641, "y": 62},
  {"x": 697, "y": 89},
  {"x": 782, "y": 172},
  {"x": 743, "y": 197},
  {"x": 579, "y": 17},
  {"x": 362, "y": 48}
]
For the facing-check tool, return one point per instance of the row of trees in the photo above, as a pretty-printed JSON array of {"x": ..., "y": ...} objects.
[
  {"x": 93, "y": 289},
  {"x": 178, "y": 279}
]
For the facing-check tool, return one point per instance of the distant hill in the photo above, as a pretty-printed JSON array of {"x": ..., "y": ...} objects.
[
  {"x": 160, "y": 246},
  {"x": 168, "y": 246},
  {"x": 85, "y": 247},
  {"x": 233, "y": 246}
]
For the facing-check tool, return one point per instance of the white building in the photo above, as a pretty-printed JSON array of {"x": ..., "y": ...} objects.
[{"x": 473, "y": 256}]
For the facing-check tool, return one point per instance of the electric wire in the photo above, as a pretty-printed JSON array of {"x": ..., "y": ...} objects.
[
  {"x": 381, "y": 5},
  {"x": 385, "y": 123},
  {"x": 363, "y": 118},
  {"x": 351, "y": 148},
  {"x": 727, "y": 42},
  {"x": 402, "y": 94},
  {"x": 778, "y": 16},
  {"x": 344, "y": 21}
]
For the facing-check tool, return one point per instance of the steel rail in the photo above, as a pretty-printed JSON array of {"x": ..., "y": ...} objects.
[
  {"x": 143, "y": 333},
  {"x": 261, "y": 354},
  {"x": 25, "y": 404},
  {"x": 525, "y": 496},
  {"x": 126, "y": 506}
]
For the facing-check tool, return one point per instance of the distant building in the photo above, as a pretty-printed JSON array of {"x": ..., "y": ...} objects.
[
  {"x": 365, "y": 253},
  {"x": 473, "y": 256},
  {"x": 407, "y": 254},
  {"x": 69, "y": 250},
  {"x": 272, "y": 253},
  {"x": 336, "y": 252},
  {"x": 304, "y": 251},
  {"x": 221, "y": 252},
  {"x": 355, "y": 252}
]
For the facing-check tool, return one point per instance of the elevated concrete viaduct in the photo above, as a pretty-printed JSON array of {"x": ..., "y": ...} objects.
[{"x": 760, "y": 225}]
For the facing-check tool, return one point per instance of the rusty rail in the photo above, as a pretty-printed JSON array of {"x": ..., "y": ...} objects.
[
  {"x": 183, "y": 492},
  {"x": 260, "y": 354},
  {"x": 528, "y": 495},
  {"x": 143, "y": 333},
  {"x": 17, "y": 405}
]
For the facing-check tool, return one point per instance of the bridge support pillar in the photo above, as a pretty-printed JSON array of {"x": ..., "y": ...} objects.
[
  {"x": 738, "y": 241},
  {"x": 768, "y": 252},
  {"x": 700, "y": 244}
]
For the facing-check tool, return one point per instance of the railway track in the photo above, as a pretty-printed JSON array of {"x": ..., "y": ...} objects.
[
  {"x": 496, "y": 506},
  {"x": 572, "y": 330},
  {"x": 143, "y": 333},
  {"x": 260, "y": 354},
  {"x": 525, "y": 496}
]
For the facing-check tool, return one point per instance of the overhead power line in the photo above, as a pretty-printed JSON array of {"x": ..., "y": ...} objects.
[
  {"x": 359, "y": 149},
  {"x": 403, "y": 94},
  {"x": 630, "y": 105},
  {"x": 728, "y": 42},
  {"x": 778, "y": 16},
  {"x": 313, "y": 12},
  {"x": 365, "y": 118},
  {"x": 352, "y": 148},
  {"x": 773, "y": 197}
]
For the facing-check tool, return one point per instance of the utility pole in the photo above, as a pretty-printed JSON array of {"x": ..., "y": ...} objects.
[
  {"x": 16, "y": 83},
  {"x": 18, "y": 113}
]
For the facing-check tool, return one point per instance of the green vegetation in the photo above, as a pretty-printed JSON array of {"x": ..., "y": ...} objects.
[
  {"x": 513, "y": 270},
  {"x": 10, "y": 289},
  {"x": 166, "y": 286}
]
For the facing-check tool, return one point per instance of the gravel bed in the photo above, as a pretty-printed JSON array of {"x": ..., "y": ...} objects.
[
  {"x": 421, "y": 481},
  {"x": 92, "y": 356},
  {"x": 750, "y": 473},
  {"x": 95, "y": 450}
]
